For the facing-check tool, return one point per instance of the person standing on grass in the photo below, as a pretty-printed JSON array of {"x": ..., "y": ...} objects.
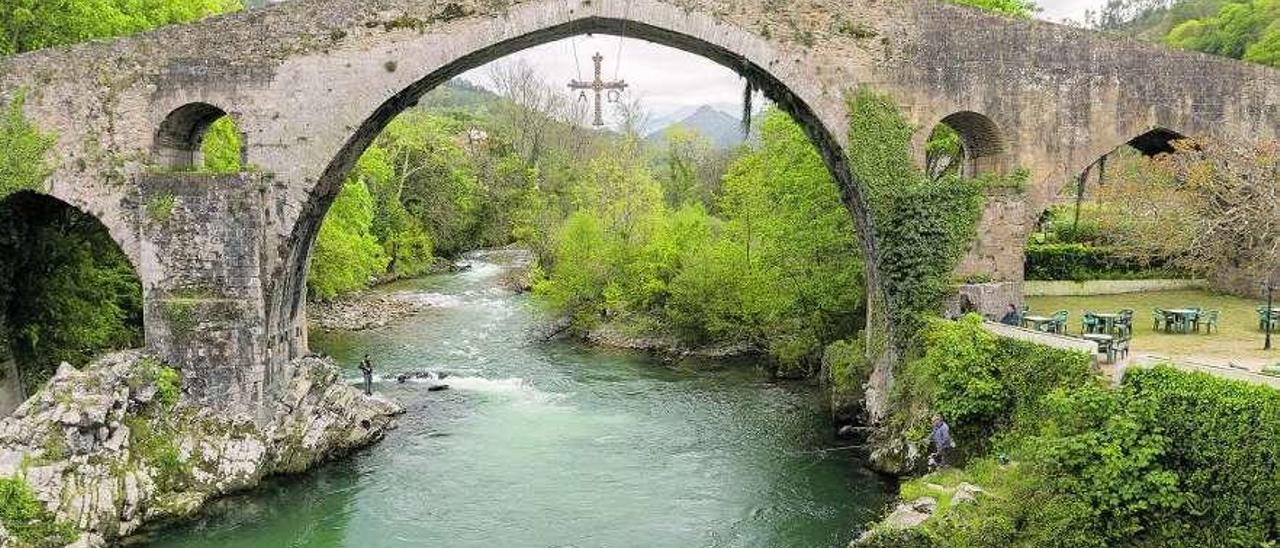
[
  {"x": 366, "y": 367},
  {"x": 942, "y": 443}
]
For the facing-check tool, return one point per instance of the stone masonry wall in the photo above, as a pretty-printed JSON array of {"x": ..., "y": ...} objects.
[{"x": 203, "y": 242}]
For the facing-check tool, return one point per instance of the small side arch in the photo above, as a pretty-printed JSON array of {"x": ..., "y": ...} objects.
[
  {"x": 179, "y": 138},
  {"x": 982, "y": 143},
  {"x": 1156, "y": 142}
]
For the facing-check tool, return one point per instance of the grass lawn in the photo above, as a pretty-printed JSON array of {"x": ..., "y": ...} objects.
[{"x": 1239, "y": 341}]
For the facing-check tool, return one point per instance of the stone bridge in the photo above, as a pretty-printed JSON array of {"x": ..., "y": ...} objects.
[{"x": 311, "y": 82}]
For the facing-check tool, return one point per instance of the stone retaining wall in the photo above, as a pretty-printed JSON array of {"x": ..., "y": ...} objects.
[
  {"x": 1067, "y": 288},
  {"x": 1046, "y": 339}
]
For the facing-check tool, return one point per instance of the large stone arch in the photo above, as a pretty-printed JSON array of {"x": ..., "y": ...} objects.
[{"x": 821, "y": 114}]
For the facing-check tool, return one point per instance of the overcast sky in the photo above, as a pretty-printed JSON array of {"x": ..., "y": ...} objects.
[{"x": 670, "y": 82}]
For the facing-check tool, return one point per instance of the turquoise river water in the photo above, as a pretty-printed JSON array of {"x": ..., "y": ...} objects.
[{"x": 542, "y": 444}]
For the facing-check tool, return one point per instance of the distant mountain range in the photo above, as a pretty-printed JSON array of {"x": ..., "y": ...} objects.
[{"x": 723, "y": 130}]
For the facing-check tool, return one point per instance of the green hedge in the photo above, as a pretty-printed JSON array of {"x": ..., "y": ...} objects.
[
  {"x": 1170, "y": 459},
  {"x": 1080, "y": 262}
]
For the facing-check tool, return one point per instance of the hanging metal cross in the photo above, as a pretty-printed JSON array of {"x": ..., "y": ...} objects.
[{"x": 599, "y": 86}]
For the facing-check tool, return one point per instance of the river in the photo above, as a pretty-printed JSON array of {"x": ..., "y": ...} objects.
[{"x": 556, "y": 445}]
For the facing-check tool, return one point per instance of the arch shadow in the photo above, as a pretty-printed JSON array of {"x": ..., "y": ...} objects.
[
  {"x": 982, "y": 140},
  {"x": 56, "y": 261}
]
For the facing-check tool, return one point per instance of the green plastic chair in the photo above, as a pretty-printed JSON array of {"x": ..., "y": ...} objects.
[
  {"x": 1210, "y": 320},
  {"x": 1265, "y": 318},
  {"x": 1119, "y": 347},
  {"x": 1060, "y": 321},
  {"x": 1158, "y": 319},
  {"x": 1089, "y": 323}
]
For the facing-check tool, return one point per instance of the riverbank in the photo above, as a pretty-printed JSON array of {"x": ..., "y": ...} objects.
[{"x": 102, "y": 451}]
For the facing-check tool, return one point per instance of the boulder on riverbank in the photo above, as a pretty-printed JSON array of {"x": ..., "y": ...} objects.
[
  {"x": 363, "y": 312},
  {"x": 111, "y": 447}
]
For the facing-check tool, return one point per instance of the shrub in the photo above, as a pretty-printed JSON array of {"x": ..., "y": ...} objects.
[
  {"x": 979, "y": 382},
  {"x": 1167, "y": 459},
  {"x": 846, "y": 369},
  {"x": 1080, "y": 262},
  {"x": 1171, "y": 458}
]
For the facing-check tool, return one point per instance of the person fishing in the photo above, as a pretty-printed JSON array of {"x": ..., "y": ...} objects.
[
  {"x": 366, "y": 367},
  {"x": 940, "y": 437}
]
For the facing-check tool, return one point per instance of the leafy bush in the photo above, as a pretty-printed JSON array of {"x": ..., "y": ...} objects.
[
  {"x": 846, "y": 369},
  {"x": 1167, "y": 459},
  {"x": 1080, "y": 262},
  {"x": 980, "y": 383},
  {"x": 1171, "y": 458}
]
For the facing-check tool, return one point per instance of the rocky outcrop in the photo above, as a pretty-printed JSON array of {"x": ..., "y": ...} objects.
[
  {"x": 111, "y": 447},
  {"x": 903, "y": 525}
]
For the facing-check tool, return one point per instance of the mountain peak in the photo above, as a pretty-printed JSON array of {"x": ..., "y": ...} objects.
[{"x": 724, "y": 130}]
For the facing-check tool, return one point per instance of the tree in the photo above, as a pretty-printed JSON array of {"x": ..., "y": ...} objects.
[
  {"x": 221, "y": 147},
  {"x": 689, "y": 167},
  {"x": 1248, "y": 30},
  {"x": 1239, "y": 192},
  {"x": 347, "y": 256}
]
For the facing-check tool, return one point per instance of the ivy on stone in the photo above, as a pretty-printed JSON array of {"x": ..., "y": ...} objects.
[
  {"x": 23, "y": 150},
  {"x": 923, "y": 225}
]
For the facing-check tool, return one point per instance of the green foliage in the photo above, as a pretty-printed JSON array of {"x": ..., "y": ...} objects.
[
  {"x": 347, "y": 256},
  {"x": 71, "y": 292},
  {"x": 26, "y": 519},
  {"x": 1016, "y": 8},
  {"x": 979, "y": 382},
  {"x": 923, "y": 225},
  {"x": 27, "y": 25},
  {"x": 1080, "y": 262},
  {"x": 778, "y": 267},
  {"x": 23, "y": 165},
  {"x": 221, "y": 147},
  {"x": 847, "y": 368},
  {"x": 434, "y": 179},
  {"x": 167, "y": 380},
  {"x": 1167, "y": 459},
  {"x": 153, "y": 441},
  {"x": 403, "y": 238},
  {"x": 160, "y": 207},
  {"x": 1248, "y": 30}
]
